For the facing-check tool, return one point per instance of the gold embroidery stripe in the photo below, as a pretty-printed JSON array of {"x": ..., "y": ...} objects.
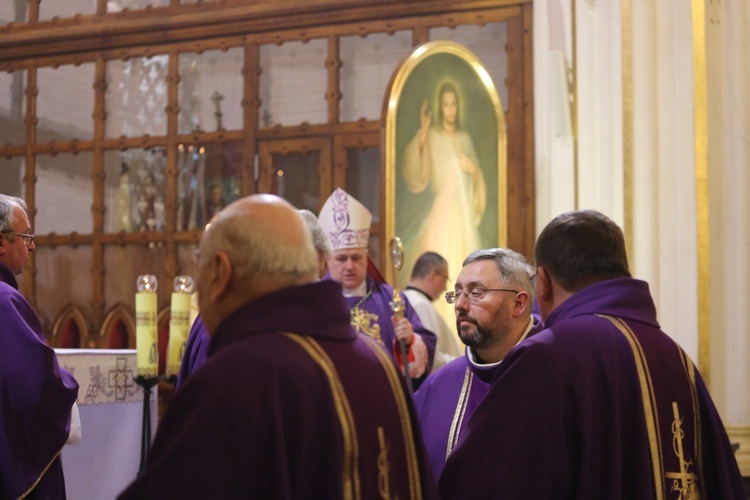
[
  {"x": 458, "y": 417},
  {"x": 690, "y": 372},
  {"x": 346, "y": 419},
  {"x": 649, "y": 405},
  {"x": 41, "y": 475},
  {"x": 415, "y": 487}
]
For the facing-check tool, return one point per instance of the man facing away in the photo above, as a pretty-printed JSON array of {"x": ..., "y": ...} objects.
[
  {"x": 493, "y": 298},
  {"x": 38, "y": 397},
  {"x": 291, "y": 402},
  {"x": 347, "y": 223},
  {"x": 429, "y": 279},
  {"x": 599, "y": 404},
  {"x": 196, "y": 349}
]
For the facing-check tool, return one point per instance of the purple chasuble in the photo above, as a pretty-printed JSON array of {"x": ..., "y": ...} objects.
[
  {"x": 196, "y": 351},
  {"x": 376, "y": 311},
  {"x": 573, "y": 413},
  {"x": 448, "y": 398},
  {"x": 35, "y": 401},
  {"x": 291, "y": 403}
]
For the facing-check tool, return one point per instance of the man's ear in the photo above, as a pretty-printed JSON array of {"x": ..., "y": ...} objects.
[
  {"x": 219, "y": 276},
  {"x": 521, "y": 302},
  {"x": 544, "y": 291}
]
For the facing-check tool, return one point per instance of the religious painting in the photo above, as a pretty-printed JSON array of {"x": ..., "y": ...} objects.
[{"x": 446, "y": 156}]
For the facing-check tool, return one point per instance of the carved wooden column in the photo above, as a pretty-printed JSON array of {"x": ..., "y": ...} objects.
[
  {"x": 520, "y": 147},
  {"x": 420, "y": 35},
  {"x": 333, "y": 64},
  {"x": 171, "y": 266},
  {"x": 251, "y": 108},
  {"x": 29, "y": 178},
  {"x": 98, "y": 209}
]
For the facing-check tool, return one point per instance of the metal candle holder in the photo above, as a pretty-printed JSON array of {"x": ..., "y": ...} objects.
[{"x": 147, "y": 383}]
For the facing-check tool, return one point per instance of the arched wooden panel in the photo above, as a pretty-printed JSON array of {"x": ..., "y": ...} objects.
[
  {"x": 70, "y": 337},
  {"x": 70, "y": 329},
  {"x": 117, "y": 338},
  {"x": 118, "y": 328}
]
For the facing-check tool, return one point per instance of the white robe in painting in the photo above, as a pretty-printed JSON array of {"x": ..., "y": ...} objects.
[{"x": 451, "y": 227}]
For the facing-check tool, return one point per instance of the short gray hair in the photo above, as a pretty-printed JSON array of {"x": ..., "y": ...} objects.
[
  {"x": 255, "y": 254},
  {"x": 513, "y": 267},
  {"x": 8, "y": 205},
  {"x": 319, "y": 237}
]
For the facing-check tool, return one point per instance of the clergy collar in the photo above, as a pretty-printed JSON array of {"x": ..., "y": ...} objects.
[
  {"x": 7, "y": 276},
  {"x": 476, "y": 362},
  {"x": 410, "y": 287},
  {"x": 360, "y": 291}
]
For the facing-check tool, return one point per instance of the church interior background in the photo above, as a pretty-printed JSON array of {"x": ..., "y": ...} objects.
[{"x": 125, "y": 124}]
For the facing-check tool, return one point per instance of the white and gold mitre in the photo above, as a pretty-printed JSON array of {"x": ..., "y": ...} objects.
[{"x": 345, "y": 220}]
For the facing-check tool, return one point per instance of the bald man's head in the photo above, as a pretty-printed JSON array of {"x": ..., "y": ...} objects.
[{"x": 256, "y": 245}]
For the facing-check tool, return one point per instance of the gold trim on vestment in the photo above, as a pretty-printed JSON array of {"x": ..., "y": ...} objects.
[
  {"x": 383, "y": 466},
  {"x": 458, "y": 417},
  {"x": 697, "y": 436},
  {"x": 649, "y": 403},
  {"x": 41, "y": 475},
  {"x": 684, "y": 482},
  {"x": 415, "y": 486},
  {"x": 351, "y": 481}
]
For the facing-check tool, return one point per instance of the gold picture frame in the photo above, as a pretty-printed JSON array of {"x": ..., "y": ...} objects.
[{"x": 445, "y": 157}]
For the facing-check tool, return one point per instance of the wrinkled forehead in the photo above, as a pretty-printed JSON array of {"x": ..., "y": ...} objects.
[
  {"x": 21, "y": 223},
  {"x": 479, "y": 273}
]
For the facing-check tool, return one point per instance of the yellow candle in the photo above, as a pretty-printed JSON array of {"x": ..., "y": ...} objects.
[
  {"x": 179, "y": 323},
  {"x": 147, "y": 359}
]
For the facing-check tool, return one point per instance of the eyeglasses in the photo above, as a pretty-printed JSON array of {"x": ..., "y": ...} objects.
[
  {"x": 533, "y": 279},
  {"x": 28, "y": 238},
  {"x": 474, "y": 295}
]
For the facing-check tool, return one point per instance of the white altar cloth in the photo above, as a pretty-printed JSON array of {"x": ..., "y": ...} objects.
[{"x": 111, "y": 409}]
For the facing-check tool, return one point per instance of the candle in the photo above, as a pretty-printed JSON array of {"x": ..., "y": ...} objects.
[
  {"x": 147, "y": 358},
  {"x": 179, "y": 323}
]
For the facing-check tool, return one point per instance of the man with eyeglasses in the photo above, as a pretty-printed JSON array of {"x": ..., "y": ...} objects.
[
  {"x": 599, "y": 404},
  {"x": 37, "y": 407},
  {"x": 493, "y": 299},
  {"x": 429, "y": 279}
]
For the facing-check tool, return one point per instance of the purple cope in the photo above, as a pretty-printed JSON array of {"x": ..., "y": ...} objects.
[
  {"x": 595, "y": 407},
  {"x": 36, "y": 397},
  {"x": 291, "y": 403}
]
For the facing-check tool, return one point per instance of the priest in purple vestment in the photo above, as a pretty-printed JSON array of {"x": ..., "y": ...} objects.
[
  {"x": 37, "y": 396},
  {"x": 291, "y": 402},
  {"x": 493, "y": 299},
  {"x": 347, "y": 223},
  {"x": 196, "y": 349},
  {"x": 599, "y": 404}
]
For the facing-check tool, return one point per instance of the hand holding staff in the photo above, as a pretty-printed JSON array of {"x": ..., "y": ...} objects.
[{"x": 398, "y": 306}]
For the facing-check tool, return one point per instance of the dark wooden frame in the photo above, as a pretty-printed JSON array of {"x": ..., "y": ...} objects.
[{"x": 232, "y": 23}]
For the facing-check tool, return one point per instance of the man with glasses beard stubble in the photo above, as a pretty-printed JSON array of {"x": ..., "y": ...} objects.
[{"x": 493, "y": 300}]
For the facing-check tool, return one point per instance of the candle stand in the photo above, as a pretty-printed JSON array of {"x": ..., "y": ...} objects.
[{"x": 148, "y": 384}]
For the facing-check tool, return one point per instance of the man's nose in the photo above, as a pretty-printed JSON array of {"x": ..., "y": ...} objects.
[{"x": 462, "y": 302}]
